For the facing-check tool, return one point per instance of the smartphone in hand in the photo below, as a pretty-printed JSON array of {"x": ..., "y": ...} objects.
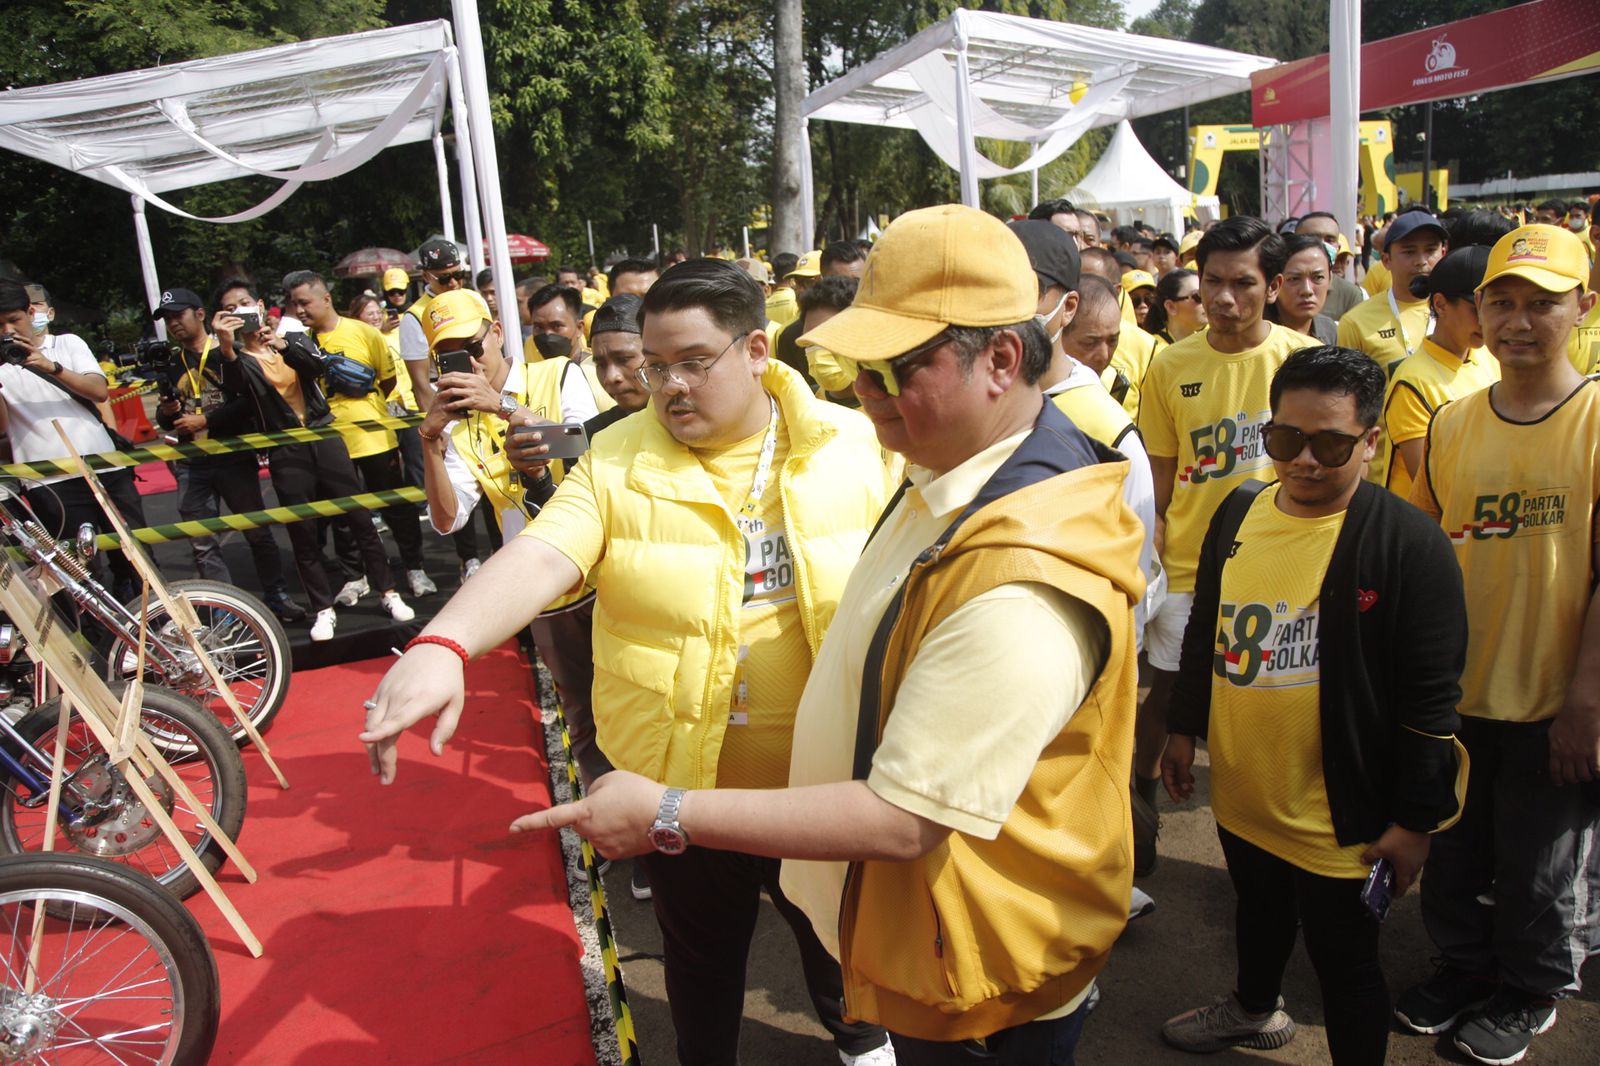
[
  {"x": 1378, "y": 893},
  {"x": 565, "y": 441}
]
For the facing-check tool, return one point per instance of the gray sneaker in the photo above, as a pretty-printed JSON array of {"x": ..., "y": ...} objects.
[
  {"x": 1225, "y": 1024},
  {"x": 352, "y": 591}
]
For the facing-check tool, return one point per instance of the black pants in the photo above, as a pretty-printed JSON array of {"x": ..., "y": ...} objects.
[
  {"x": 1051, "y": 1043},
  {"x": 63, "y": 506},
  {"x": 1341, "y": 938},
  {"x": 378, "y": 472},
  {"x": 321, "y": 470},
  {"x": 706, "y": 903},
  {"x": 565, "y": 641},
  {"x": 1506, "y": 891},
  {"x": 203, "y": 486}
]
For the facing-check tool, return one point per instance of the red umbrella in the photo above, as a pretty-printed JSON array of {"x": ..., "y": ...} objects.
[
  {"x": 370, "y": 261},
  {"x": 523, "y": 249}
]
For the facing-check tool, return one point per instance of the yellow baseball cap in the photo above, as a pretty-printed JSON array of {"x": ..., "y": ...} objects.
[
  {"x": 809, "y": 266},
  {"x": 1552, "y": 258},
  {"x": 1190, "y": 242},
  {"x": 932, "y": 268},
  {"x": 395, "y": 278},
  {"x": 456, "y": 314},
  {"x": 1137, "y": 279}
]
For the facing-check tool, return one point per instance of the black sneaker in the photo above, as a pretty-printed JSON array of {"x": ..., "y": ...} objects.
[
  {"x": 640, "y": 884},
  {"x": 286, "y": 609},
  {"x": 1501, "y": 1032},
  {"x": 1438, "y": 1003}
]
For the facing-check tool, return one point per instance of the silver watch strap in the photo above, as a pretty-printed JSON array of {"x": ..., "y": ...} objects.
[{"x": 667, "y": 813}]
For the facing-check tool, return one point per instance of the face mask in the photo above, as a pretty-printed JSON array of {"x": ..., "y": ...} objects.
[
  {"x": 552, "y": 345},
  {"x": 41, "y": 322},
  {"x": 1576, "y": 222},
  {"x": 1044, "y": 320}
]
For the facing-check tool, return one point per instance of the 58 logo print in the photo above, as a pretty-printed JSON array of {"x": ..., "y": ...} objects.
[{"x": 1232, "y": 445}]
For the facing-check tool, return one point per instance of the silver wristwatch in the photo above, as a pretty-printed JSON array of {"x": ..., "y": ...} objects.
[
  {"x": 666, "y": 835},
  {"x": 508, "y": 406}
]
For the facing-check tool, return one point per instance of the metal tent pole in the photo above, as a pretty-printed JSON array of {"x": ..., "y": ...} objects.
[
  {"x": 969, "y": 147},
  {"x": 447, "y": 216},
  {"x": 589, "y": 222},
  {"x": 147, "y": 262},
  {"x": 466, "y": 164},
  {"x": 1344, "y": 111},
  {"x": 808, "y": 203},
  {"x": 475, "y": 80}
]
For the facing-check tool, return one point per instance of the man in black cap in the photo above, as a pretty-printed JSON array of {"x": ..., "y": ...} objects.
[
  {"x": 440, "y": 260},
  {"x": 199, "y": 406},
  {"x": 1391, "y": 325},
  {"x": 617, "y": 351},
  {"x": 1163, "y": 255}
]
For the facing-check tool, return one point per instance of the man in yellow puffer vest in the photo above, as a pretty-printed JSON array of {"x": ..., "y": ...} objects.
[
  {"x": 964, "y": 739},
  {"x": 718, "y": 531}
]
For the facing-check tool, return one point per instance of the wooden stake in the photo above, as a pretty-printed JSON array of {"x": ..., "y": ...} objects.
[{"x": 51, "y": 815}]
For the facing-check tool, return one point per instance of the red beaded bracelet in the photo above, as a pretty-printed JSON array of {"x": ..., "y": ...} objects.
[{"x": 443, "y": 642}]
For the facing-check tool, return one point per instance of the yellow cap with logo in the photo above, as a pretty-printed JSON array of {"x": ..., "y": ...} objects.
[
  {"x": 1552, "y": 258},
  {"x": 932, "y": 268},
  {"x": 809, "y": 266},
  {"x": 458, "y": 314},
  {"x": 395, "y": 278},
  {"x": 1138, "y": 279},
  {"x": 1190, "y": 242}
]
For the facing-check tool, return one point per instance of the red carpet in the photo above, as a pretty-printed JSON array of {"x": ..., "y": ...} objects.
[{"x": 402, "y": 925}]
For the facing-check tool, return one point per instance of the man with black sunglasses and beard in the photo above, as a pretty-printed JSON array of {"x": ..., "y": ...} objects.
[{"x": 1321, "y": 661}]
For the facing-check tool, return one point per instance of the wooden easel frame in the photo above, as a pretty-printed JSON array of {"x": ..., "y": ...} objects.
[{"x": 178, "y": 607}]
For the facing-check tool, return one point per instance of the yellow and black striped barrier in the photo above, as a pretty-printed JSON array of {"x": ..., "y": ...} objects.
[
  {"x": 249, "y": 442},
  {"x": 272, "y": 516}
]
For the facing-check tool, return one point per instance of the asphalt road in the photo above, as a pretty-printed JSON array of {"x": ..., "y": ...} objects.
[{"x": 1177, "y": 958}]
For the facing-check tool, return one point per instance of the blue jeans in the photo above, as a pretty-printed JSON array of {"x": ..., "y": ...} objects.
[{"x": 1051, "y": 1043}]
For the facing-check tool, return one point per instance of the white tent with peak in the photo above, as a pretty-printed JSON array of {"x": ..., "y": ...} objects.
[{"x": 1131, "y": 187}]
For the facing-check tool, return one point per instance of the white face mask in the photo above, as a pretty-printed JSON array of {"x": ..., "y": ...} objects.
[
  {"x": 1044, "y": 320},
  {"x": 41, "y": 323}
]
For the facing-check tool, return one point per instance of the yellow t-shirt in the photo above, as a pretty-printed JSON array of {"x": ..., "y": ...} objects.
[
  {"x": 1419, "y": 388},
  {"x": 1265, "y": 735},
  {"x": 1518, "y": 502},
  {"x": 1206, "y": 409},
  {"x": 1370, "y": 327},
  {"x": 359, "y": 341},
  {"x": 1376, "y": 280},
  {"x": 774, "y": 655},
  {"x": 1583, "y": 347},
  {"x": 783, "y": 306}
]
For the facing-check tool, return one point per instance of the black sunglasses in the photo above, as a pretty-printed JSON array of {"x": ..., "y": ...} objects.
[
  {"x": 447, "y": 276},
  {"x": 1328, "y": 447},
  {"x": 474, "y": 348}
]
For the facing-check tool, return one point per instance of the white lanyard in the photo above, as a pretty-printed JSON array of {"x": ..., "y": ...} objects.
[
  {"x": 1400, "y": 325},
  {"x": 747, "y": 520}
]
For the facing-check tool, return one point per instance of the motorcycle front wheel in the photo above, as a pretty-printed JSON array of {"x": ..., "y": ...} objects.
[
  {"x": 124, "y": 972},
  {"x": 116, "y": 825},
  {"x": 245, "y": 641}
]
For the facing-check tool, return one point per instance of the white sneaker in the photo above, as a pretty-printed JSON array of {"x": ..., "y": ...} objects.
[
  {"x": 878, "y": 1056},
  {"x": 469, "y": 568},
  {"x": 421, "y": 584},
  {"x": 352, "y": 592},
  {"x": 322, "y": 628},
  {"x": 1140, "y": 903},
  {"x": 397, "y": 607}
]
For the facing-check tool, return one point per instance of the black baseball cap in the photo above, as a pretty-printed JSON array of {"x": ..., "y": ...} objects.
[
  {"x": 1127, "y": 259},
  {"x": 620, "y": 314},
  {"x": 1051, "y": 250},
  {"x": 1458, "y": 274},
  {"x": 1408, "y": 222},
  {"x": 1165, "y": 239},
  {"x": 176, "y": 300},
  {"x": 437, "y": 254}
]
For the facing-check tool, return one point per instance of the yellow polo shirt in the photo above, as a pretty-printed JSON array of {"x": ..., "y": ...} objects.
[
  {"x": 1419, "y": 388},
  {"x": 936, "y": 760},
  {"x": 1376, "y": 280}
]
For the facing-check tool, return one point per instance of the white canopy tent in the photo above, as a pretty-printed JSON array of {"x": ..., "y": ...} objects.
[
  {"x": 306, "y": 111},
  {"x": 980, "y": 74},
  {"x": 1130, "y": 187}
]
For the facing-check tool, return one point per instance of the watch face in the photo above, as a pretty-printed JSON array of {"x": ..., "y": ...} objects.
[{"x": 667, "y": 840}]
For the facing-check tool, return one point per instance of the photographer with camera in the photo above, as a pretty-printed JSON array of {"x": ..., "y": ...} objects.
[
  {"x": 282, "y": 377},
  {"x": 195, "y": 403},
  {"x": 63, "y": 386}
]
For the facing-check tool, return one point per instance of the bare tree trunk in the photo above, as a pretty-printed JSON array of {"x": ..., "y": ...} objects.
[{"x": 789, "y": 86}]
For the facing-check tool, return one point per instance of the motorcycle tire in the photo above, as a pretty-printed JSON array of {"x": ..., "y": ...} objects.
[
  {"x": 189, "y": 737},
  {"x": 122, "y": 965},
  {"x": 244, "y": 637}
]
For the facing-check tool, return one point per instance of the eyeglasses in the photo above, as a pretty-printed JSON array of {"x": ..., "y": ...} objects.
[
  {"x": 1194, "y": 297},
  {"x": 690, "y": 373},
  {"x": 394, "y": 292},
  {"x": 450, "y": 277},
  {"x": 1328, "y": 447},
  {"x": 887, "y": 375}
]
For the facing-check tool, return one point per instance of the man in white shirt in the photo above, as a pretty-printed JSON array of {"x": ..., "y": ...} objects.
[{"x": 56, "y": 379}]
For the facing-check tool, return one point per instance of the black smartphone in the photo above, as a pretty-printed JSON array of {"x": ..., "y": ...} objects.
[
  {"x": 566, "y": 441},
  {"x": 251, "y": 321},
  {"x": 454, "y": 361},
  {"x": 1378, "y": 892}
]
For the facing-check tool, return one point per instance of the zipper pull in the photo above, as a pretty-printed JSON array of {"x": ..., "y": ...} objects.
[{"x": 938, "y": 945}]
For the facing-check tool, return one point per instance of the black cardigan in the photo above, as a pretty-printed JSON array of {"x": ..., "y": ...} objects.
[
  {"x": 1390, "y": 669},
  {"x": 243, "y": 374}
]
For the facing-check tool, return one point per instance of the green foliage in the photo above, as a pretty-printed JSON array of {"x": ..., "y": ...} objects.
[{"x": 1172, "y": 19}]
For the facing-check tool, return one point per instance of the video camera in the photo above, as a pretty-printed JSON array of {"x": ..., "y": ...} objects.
[
  {"x": 11, "y": 352},
  {"x": 152, "y": 359}
]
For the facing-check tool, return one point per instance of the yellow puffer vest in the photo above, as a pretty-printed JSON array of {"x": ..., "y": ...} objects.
[
  {"x": 671, "y": 578},
  {"x": 979, "y": 935}
]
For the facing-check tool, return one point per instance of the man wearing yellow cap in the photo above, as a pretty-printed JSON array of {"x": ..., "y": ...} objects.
[
  {"x": 717, "y": 531},
  {"x": 396, "y": 286},
  {"x": 1512, "y": 472},
  {"x": 970, "y": 870}
]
